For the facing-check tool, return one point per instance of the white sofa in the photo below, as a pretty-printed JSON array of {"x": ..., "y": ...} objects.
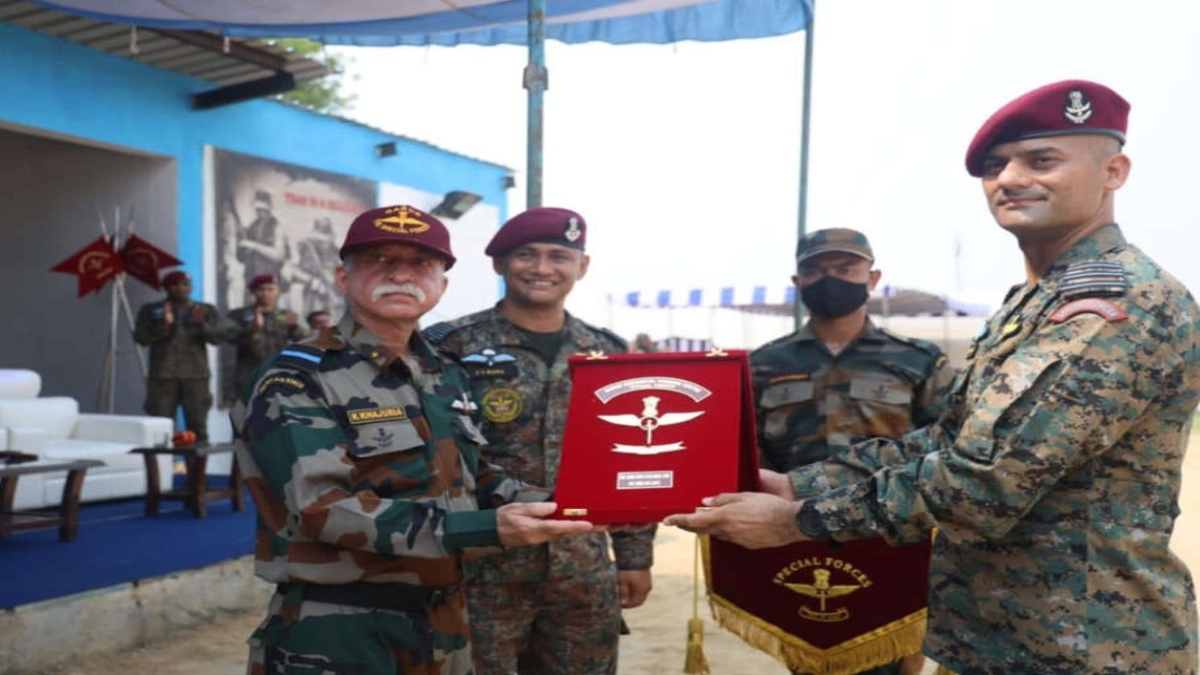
[{"x": 52, "y": 428}]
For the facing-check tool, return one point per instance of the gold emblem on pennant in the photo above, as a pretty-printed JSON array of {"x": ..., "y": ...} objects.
[
  {"x": 596, "y": 355},
  {"x": 502, "y": 405},
  {"x": 401, "y": 220},
  {"x": 822, "y": 590},
  {"x": 717, "y": 351}
]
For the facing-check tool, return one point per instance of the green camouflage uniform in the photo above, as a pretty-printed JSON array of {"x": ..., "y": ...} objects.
[
  {"x": 179, "y": 372},
  {"x": 559, "y": 601},
  {"x": 1053, "y": 479},
  {"x": 812, "y": 404},
  {"x": 369, "y": 486},
  {"x": 255, "y": 345}
]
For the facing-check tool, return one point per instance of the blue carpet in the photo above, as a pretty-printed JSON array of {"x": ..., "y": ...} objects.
[{"x": 118, "y": 544}]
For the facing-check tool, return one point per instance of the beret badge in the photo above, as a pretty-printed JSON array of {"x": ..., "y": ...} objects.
[{"x": 1077, "y": 109}]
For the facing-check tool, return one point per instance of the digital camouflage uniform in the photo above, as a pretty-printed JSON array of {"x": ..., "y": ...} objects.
[
  {"x": 365, "y": 475},
  {"x": 256, "y": 344},
  {"x": 179, "y": 372},
  {"x": 560, "y": 598},
  {"x": 812, "y": 404},
  {"x": 1053, "y": 480}
]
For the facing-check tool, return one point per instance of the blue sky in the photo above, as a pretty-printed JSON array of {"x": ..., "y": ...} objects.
[{"x": 685, "y": 158}]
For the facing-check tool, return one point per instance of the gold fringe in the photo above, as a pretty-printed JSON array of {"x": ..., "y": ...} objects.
[
  {"x": 694, "y": 661},
  {"x": 943, "y": 670}
]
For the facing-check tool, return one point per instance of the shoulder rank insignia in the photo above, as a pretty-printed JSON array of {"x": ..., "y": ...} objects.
[
  {"x": 438, "y": 331},
  {"x": 1096, "y": 279},
  {"x": 1106, "y": 309},
  {"x": 303, "y": 356}
]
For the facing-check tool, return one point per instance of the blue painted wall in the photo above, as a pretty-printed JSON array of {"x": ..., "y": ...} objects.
[{"x": 60, "y": 87}]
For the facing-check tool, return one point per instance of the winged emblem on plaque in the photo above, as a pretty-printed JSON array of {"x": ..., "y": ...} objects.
[{"x": 650, "y": 420}]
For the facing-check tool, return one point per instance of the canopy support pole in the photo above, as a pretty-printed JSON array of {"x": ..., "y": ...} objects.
[
  {"x": 806, "y": 87},
  {"x": 536, "y": 83}
]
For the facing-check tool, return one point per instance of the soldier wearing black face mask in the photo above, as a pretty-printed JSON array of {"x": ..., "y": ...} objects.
[{"x": 840, "y": 379}]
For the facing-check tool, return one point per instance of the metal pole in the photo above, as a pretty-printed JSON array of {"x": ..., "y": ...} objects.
[
  {"x": 802, "y": 215},
  {"x": 536, "y": 84}
]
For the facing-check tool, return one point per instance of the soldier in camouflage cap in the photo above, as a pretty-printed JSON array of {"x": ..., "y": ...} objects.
[
  {"x": 554, "y": 609},
  {"x": 361, "y": 450},
  {"x": 1053, "y": 478},
  {"x": 841, "y": 379},
  {"x": 178, "y": 332}
]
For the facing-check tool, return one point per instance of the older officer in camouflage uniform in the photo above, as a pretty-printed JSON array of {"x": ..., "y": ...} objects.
[
  {"x": 361, "y": 454},
  {"x": 260, "y": 331},
  {"x": 1054, "y": 477},
  {"x": 178, "y": 331},
  {"x": 554, "y": 608},
  {"x": 841, "y": 379}
]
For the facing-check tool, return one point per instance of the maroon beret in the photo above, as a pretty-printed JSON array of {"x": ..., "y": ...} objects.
[
  {"x": 401, "y": 224},
  {"x": 262, "y": 279},
  {"x": 545, "y": 224},
  {"x": 176, "y": 277},
  {"x": 1059, "y": 109}
]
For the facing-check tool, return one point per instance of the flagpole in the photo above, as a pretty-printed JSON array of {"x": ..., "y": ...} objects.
[{"x": 802, "y": 216}]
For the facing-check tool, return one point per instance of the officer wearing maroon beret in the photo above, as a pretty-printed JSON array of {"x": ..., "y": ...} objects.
[
  {"x": 178, "y": 331},
  {"x": 259, "y": 330},
  {"x": 1053, "y": 478},
  {"x": 363, "y": 456},
  {"x": 554, "y": 608}
]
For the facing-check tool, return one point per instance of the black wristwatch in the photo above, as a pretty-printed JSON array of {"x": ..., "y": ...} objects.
[{"x": 808, "y": 521}]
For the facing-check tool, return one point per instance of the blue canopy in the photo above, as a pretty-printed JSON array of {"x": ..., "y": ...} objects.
[{"x": 480, "y": 22}]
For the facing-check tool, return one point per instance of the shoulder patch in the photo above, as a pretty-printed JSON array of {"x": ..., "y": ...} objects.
[
  {"x": 1106, "y": 309},
  {"x": 438, "y": 331},
  {"x": 1093, "y": 279},
  {"x": 284, "y": 383},
  {"x": 303, "y": 356}
]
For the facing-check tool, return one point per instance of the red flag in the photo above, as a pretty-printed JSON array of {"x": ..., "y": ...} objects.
[
  {"x": 95, "y": 264},
  {"x": 143, "y": 260}
]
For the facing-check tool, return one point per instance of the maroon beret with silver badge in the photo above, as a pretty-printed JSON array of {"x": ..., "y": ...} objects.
[
  {"x": 1059, "y": 109},
  {"x": 545, "y": 224},
  {"x": 401, "y": 224}
]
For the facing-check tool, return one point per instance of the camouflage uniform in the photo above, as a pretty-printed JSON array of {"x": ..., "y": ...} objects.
[
  {"x": 179, "y": 372},
  {"x": 559, "y": 599},
  {"x": 812, "y": 404},
  {"x": 1053, "y": 479},
  {"x": 369, "y": 484},
  {"x": 255, "y": 345}
]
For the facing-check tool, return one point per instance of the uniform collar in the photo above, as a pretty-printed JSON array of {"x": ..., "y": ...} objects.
[
  {"x": 357, "y": 337},
  {"x": 574, "y": 330},
  {"x": 870, "y": 333},
  {"x": 1091, "y": 247}
]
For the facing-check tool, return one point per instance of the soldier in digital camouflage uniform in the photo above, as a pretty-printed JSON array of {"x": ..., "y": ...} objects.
[
  {"x": 555, "y": 608},
  {"x": 840, "y": 379},
  {"x": 359, "y": 448},
  {"x": 1054, "y": 477},
  {"x": 178, "y": 330},
  {"x": 260, "y": 331}
]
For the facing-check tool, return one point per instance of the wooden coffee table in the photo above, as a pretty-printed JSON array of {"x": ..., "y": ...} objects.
[
  {"x": 196, "y": 493},
  {"x": 65, "y": 518}
]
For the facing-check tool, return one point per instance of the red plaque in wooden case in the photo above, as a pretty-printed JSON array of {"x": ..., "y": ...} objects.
[{"x": 649, "y": 435}]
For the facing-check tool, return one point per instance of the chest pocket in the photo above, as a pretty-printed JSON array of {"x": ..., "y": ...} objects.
[
  {"x": 879, "y": 388},
  {"x": 787, "y": 394},
  {"x": 379, "y": 431}
]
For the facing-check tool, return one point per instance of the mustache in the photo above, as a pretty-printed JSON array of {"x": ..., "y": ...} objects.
[{"x": 407, "y": 288}]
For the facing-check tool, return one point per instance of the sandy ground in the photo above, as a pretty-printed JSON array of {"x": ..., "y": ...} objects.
[{"x": 657, "y": 644}]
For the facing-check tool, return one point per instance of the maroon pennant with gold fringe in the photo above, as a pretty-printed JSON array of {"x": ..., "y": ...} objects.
[{"x": 820, "y": 608}]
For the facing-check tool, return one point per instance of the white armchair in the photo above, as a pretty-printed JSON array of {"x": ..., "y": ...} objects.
[{"x": 52, "y": 428}]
